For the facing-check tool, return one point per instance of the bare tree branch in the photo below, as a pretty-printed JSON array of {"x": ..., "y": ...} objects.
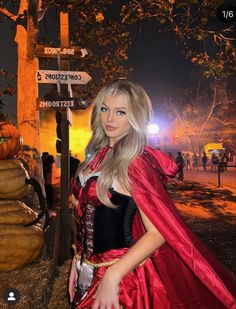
[
  {"x": 224, "y": 123},
  {"x": 8, "y": 14},
  {"x": 213, "y": 105},
  {"x": 180, "y": 121},
  {"x": 133, "y": 9}
]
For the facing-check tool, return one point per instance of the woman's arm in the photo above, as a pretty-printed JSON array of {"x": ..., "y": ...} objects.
[{"x": 107, "y": 292}]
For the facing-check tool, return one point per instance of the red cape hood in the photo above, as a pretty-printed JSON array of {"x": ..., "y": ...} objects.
[{"x": 191, "y": 274}]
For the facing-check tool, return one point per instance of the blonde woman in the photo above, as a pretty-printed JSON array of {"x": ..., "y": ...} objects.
[{"x": 134, "y": 250}]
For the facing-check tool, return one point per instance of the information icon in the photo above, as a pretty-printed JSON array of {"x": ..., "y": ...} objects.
[{"x": 11, "y": 296}]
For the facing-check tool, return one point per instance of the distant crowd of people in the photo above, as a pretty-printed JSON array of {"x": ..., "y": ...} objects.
[
  {"x": 194, "y": 162},
  {"x": 51, "y": 173}
]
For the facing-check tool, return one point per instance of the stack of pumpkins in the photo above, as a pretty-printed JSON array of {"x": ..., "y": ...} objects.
[{"x": 19, "y": 245}]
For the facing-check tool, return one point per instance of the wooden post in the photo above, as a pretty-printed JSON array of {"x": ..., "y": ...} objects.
[
  {"x": 27, "y": 88},
  {"x": 62, "y": 239},
  {"x": 64, "y": 211},
  {"x": 219, "y": 170}
]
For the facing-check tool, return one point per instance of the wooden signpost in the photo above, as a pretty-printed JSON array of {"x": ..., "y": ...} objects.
[
  {"x": 43, "y": 104},
  {"x": 63, "y": 78},
  {"x": 71, "y": 52}
]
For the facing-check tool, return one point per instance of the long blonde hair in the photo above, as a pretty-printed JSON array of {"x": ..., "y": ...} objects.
[{"x": 117, "y": 161}]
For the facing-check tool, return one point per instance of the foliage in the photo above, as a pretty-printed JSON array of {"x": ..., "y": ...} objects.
[
  {"x": 206, "y": 42},
  {"x": 2, "y": 116},
  {"x": 205, "y": 113},
  {"x": 8, "y": 89},
  {"x": 93, "y": 27}
]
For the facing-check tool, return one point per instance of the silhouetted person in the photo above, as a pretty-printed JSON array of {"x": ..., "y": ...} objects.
[
  {"x": 214, "y": 161},
  {"x": 45, "y": 162},
  {"x": 224, "y": 162},
  {"x": 48, "y": 160},
  {"x": 180, "y": 162},
  {"x": 74, "y": 163},
  {"x": 187, "y": 162},
  {"x": 204, "y": 161},
  {"x": 195, "y": 161}
]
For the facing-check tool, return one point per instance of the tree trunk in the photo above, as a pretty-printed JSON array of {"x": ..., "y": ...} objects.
[{"x": 27, "y": 92}]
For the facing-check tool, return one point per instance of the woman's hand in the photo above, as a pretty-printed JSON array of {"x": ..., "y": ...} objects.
[
  {"x": 72, "y": 280},
  {"x": 107, "y": 295}
]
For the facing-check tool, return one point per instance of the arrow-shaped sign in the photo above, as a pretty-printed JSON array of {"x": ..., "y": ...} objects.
[
  {"x": 44, "y": 104},
  {"x": 71, "y": 52},
  {"x": 62, "y": 77}
]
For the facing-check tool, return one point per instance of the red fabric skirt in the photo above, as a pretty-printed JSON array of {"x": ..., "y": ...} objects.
[{"x": 143, "y": 288}]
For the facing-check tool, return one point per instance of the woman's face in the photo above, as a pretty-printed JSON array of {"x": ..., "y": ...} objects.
[{"x": 114, "y": 117}]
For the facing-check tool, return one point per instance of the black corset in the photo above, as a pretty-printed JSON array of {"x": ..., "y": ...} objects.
[
  {"x": 103, "y": 228},
  {"x": 112, "y": 227}
]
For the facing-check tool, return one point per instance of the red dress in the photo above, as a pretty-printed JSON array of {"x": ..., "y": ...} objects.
[{"x": 182, "y": 273}]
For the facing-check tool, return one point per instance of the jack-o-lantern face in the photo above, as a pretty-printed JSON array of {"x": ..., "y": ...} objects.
[{"x": 10, "y": 140}]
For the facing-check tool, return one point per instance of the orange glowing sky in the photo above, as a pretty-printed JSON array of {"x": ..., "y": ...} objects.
[{"x": 79, "y": 132}]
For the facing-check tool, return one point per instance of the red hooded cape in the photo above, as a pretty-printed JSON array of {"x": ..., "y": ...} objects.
[
  {"x": 191, "y": 275},
  {"x": 189, "y": 272}
]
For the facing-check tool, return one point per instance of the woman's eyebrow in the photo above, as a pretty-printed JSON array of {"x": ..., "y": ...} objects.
[{"x": 115, "y": 108}]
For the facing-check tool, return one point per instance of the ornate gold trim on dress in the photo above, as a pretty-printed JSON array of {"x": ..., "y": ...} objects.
[
  {"x": 108, "y": 263},
  {"x": 100, "y": 264}
]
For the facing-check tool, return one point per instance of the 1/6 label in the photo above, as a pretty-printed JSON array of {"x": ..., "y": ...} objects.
[{"x": 226, "y": 13}]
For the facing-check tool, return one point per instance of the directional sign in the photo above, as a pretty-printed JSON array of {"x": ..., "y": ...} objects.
[
  {"x": 62, "y": 77},
  {"x": 43, "y": 104},
  {"x": 72, "y": 52}
]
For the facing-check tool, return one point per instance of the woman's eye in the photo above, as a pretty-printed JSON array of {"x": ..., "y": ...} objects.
[
  {"x": 103, "y": 109},
  {"x": 120, "y": 113}
]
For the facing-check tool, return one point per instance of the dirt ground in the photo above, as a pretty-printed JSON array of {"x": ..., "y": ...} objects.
[{"x": 209, "y": 211}]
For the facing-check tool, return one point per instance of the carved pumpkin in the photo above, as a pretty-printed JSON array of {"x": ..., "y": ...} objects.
[
  {"x": 10, "y": 140},
  {"x": 19, "y": 245},
  {"x": 12, "y": 179},
  {"x": 15, "y": 212}
]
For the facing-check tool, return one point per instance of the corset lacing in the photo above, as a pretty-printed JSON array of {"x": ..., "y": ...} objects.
[{"x": 86, "y": 221}]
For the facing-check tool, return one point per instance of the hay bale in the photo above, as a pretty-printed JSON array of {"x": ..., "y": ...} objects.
[
  {"x": 60, "y": 298},
  {"x": 30, "y": 281}
]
